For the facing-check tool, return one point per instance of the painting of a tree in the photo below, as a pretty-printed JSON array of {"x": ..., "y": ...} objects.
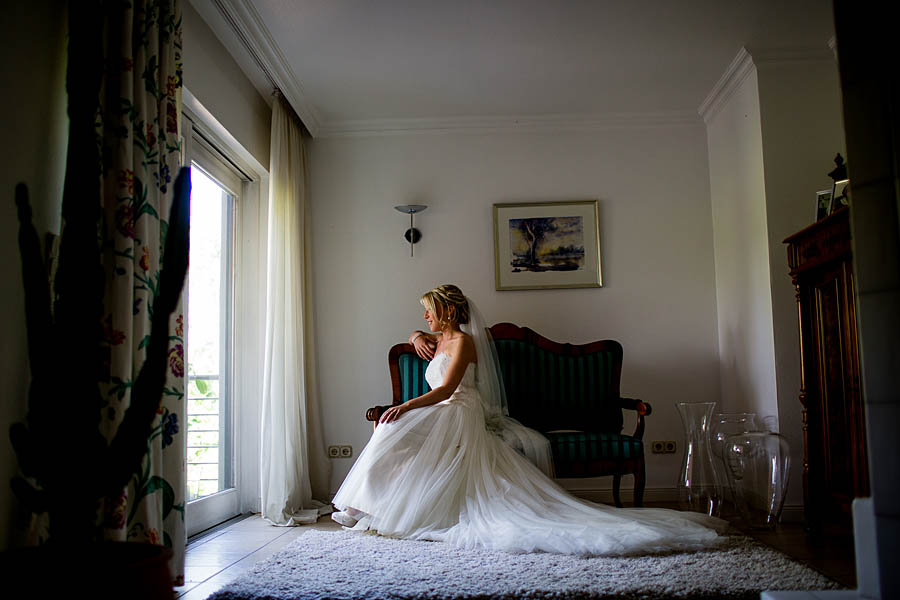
[
  {"x": 533, "y": 230},
  {"x": 546, "y": 244}
]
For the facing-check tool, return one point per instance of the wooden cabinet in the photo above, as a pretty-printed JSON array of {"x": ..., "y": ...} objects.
[{"x": 835, "y": 467}]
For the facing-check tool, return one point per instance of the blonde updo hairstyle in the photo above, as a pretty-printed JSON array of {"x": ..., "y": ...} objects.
[{"x": 448, "y": 304}]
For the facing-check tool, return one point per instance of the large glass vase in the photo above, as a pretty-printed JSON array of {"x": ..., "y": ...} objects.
[
  {"x": 758, "y": 467},
  {"x": 723, "y": 426},
  {"x": 699, "y": 490}
]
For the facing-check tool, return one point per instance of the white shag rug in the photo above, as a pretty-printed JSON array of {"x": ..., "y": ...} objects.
[{"x": 343, "y": 564}]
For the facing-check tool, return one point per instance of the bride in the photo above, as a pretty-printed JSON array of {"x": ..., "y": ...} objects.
[{"x": 449, "y": 466}]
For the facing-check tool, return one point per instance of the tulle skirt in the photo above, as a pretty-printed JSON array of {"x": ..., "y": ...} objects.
[{"x": 437, "y": 474}]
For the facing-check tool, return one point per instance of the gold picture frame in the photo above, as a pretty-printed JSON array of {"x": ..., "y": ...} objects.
[{"x": 547, "y": 245}]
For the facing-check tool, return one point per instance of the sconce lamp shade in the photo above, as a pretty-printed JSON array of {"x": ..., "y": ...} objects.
[{"x": 410, "y": 208}]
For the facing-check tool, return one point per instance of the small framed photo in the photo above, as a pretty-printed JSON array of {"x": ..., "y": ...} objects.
[
  {"x": 841, "y": 197},
  {"x": 545, "y": 245},
  {"x": 823, "y": 204}
]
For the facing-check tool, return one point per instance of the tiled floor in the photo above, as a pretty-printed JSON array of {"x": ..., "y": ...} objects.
[{"x": 220, "y": 556}]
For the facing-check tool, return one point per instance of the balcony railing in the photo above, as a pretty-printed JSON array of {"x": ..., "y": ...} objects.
[{"x": 204, "y": 472}]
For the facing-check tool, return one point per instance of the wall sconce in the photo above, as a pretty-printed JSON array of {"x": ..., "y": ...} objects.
[
  {"x": 838, "y": 176},
  {"x": 412, "y": 234}
]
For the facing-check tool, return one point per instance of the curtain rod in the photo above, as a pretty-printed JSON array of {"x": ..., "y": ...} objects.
[
  {"x": 276, "y": 90},
  {"x": 246, "y": 43}
]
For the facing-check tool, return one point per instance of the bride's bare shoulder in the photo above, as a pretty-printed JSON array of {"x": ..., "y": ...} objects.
[{"x": 463, "y": 344}]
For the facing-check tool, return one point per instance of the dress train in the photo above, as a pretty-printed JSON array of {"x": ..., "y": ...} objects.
[{"x": 437, "y": 473}]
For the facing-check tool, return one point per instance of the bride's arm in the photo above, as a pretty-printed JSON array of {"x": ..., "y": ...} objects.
[
  {"x": 424, "y": 343},
  {"x": 462, "y": 352}
]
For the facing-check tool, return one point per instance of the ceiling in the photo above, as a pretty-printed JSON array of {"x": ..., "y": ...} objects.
[{"x": 370, "y": 64}]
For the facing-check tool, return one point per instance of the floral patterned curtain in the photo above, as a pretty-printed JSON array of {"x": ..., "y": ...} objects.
[{"x": 139, "y": 127}]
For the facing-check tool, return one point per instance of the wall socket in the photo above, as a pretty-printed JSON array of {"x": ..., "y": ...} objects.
[
  {"x": 662, "y": 447},
  {"x": 340, "y": 451}
]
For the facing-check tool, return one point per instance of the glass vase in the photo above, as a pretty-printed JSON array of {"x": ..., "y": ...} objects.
[
  {"x": 723, "y": 426},
  {"x": 758, "y": 468},
  {"x": 699, "y": 490}
]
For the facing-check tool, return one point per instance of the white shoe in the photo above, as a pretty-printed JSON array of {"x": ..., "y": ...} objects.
[{"x": 343, "y": 518}]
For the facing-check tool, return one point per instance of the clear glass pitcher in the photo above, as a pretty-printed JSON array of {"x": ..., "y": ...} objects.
[
  {"x": 758, "y": 468},
  {"x": 723, "y": 426}
]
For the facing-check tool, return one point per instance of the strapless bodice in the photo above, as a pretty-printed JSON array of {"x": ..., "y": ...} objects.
[{"x": 437, "y": 369}]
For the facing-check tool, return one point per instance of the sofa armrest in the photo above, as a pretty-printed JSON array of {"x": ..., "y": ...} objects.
[
  {"x": 374, "y": 413},
  {"x": 641, "y": 408}
]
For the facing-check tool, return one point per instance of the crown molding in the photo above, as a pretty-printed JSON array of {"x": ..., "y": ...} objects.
[
  {"x": 747, "y": 59},
  {"x": 248, "y": 26},
  {"x": 512, "y": 124},
  {"x": 739, "y": 69}
]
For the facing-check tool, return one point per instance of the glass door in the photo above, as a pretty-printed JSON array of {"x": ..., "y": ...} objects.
[{"x": 212, "y": 493}]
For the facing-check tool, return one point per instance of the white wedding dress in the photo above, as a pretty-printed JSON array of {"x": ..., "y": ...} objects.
[{"x": 437, "y": 473}]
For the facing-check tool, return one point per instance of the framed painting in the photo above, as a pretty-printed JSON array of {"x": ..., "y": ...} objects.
[
  {"x": 823, "y": 204},
  {"x": 545, "y": 245}
]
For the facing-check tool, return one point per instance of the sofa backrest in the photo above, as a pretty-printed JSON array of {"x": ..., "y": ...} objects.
[
  {"x": 548, "y": 385},
  {"x": 552, "y": 386},
  {"x": 407, "y": 373}
]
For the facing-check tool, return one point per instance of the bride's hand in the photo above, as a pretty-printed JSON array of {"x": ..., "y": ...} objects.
[
  {"x": 393, "y": 413},
  {"x": 424, "y": 347}
]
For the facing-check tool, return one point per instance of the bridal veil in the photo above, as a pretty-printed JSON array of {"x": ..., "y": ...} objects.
[{"x": 489, "y": 381}]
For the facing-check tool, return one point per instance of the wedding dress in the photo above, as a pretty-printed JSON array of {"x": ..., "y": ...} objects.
[{"x": 438, "y": 473}]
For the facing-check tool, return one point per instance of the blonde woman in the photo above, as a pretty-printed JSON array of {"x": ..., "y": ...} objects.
[{"x": 452, "y": 466}]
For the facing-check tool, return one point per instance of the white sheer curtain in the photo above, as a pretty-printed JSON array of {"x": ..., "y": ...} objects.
[{"x": 293, "y": 466}]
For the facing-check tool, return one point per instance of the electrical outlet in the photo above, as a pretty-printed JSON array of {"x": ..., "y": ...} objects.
[
  {"x": 334, "y": 451},
  {"x": 662, "y": 447},
  {"x": 346, "y": 451}
]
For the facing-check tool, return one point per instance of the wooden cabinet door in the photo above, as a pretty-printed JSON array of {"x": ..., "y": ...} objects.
[{"x": 837, "y": 453}]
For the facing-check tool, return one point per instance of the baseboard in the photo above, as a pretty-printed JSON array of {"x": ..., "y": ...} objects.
[{"x": 792, "y": 513}]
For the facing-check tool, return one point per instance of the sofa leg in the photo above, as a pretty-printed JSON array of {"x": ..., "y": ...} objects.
[
  {"x": 640, "y": 479},
  {"x": 617, "y": 479}
]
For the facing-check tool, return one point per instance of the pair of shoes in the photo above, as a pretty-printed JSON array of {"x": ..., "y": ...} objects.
[{"x": 343, "y": 518}]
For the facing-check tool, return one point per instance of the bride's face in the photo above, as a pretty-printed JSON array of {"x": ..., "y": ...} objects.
[
  {"x": 433, "y": 319},
  {"x": 433, "y": 322}
]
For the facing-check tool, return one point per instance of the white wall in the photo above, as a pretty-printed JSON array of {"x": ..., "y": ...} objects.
[
  {"x": 216, "y": 80},
  {"x": 802, "y": 130},
  {"x": 658, "y": 297},
  {"x": 771, "y": 145},
  {"x": 35, "y": 133},
  {"x": 743, "y": 294}
]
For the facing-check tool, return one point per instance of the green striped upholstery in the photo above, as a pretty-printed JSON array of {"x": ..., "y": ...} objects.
[
  {"x": 412, "y": 376},
  {"x": 572, "y": 452},
  {"x": 547, "y": 391}
]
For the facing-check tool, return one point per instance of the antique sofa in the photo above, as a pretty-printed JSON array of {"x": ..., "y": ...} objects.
[{"x": 569, "y": 393}]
